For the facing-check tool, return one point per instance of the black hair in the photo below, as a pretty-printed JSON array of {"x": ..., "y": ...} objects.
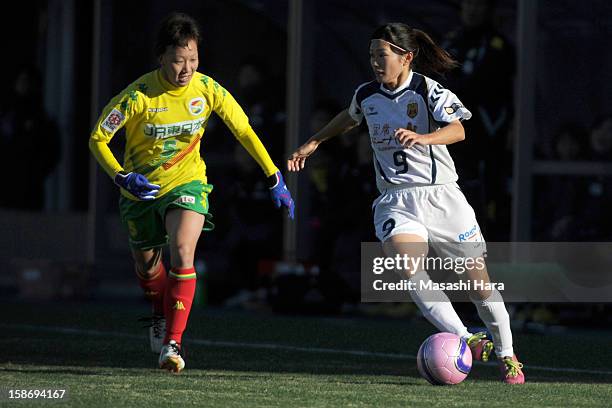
[
  {"x": 175, "y": 31},
  {"x": 429, "y": 57}
]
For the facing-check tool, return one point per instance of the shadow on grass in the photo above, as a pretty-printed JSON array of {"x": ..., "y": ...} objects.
[{"x": 46, "y": 348}]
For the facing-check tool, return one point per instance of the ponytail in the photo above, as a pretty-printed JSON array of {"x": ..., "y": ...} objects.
[{"x": 429, "y": 58}]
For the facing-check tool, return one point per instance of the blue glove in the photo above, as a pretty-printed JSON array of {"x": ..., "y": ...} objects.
[
  {"x": 137, "y": 185},
  {"x": 280, "y": 194}
]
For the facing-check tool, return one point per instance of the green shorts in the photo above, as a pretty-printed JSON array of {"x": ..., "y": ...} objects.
[{"x": 145, "y": 219}]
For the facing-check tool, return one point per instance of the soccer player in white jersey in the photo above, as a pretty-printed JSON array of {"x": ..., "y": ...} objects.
[{"x": 411, "y": 118}]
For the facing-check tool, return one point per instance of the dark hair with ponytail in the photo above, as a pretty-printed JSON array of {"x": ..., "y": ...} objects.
[{"x": 429, "y": 58}]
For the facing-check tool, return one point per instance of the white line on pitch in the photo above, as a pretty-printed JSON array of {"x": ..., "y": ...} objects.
[{"x": 271, "y": 346}]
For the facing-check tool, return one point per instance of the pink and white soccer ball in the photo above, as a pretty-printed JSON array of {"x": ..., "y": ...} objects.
[{"x": 444, "y": 359}]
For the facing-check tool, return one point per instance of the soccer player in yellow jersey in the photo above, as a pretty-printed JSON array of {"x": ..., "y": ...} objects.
[{"x": 164, "y": 190}]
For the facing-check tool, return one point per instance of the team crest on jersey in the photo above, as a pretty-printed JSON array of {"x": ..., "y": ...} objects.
[
  {"x": 113, "y": 121},
  {"x": 196, "y": 105},
  {"x": 453, "y": 108},
  {"x": 413, "y": 109}
]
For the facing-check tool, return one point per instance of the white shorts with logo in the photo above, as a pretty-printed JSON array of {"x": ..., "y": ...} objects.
[{"x": 437, "y": 213}]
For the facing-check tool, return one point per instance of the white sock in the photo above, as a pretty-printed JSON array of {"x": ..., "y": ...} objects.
[
  {"x": 437, "y": 308},
  {"x": 493, "y": 313}
]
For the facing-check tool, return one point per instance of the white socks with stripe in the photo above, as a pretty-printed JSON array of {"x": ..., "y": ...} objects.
[
  {"x": 438, "y": 310},
  {"x": 493, "y": 313}
]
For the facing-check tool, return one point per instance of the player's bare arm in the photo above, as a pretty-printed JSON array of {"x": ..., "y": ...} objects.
[
  {"x": 340, "y": 124},
  {"x": 451, "y": 133}
]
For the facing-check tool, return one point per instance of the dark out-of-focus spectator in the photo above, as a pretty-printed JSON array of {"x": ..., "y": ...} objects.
[
  {"x": 597, "y": 197},
  {"x": 351, "y": 194},
  {"x": 321, "y": 227},
  {"x": 561, "y": 221},
  {"x": 485, "y": 82},
  {"x": 29, "y": 142},
  {"x": 571, "y": 144},
  {"x": 258, "y": 93},
  {"x": 601, "y": 139},
  {"x": 250, "y": 229},
  {"x": 581, "y": 203},
  {"x": 339, "y": 172},
  {"x": 320, "y": 170}
]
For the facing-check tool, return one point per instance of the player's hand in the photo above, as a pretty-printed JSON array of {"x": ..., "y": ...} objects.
[
  {"x": 137, "y": 185},
  {"x": 408, "y": 138},
  {"x": 280, "y": 193},
  {"x": 298, "y": 158}
]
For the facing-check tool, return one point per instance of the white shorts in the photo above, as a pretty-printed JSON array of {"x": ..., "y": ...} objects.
[{"x": 437, "y": 213}]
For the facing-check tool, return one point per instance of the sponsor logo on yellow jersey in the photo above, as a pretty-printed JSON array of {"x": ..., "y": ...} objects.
[{"x": 189, "y": 127}]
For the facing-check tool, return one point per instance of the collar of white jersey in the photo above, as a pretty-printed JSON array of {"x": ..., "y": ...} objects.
[{"x": 400, "y": 88}]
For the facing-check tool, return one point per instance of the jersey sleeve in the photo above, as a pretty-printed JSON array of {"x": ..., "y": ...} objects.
[
  {"x": 444, "y": 105},
  {"x": 114, "y": 116},
  {"x": 354, "y": 110},
  {"x": 226, "y": 107}
]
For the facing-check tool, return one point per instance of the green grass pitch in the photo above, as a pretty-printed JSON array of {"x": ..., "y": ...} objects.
[{"x": 100, "y": 355}]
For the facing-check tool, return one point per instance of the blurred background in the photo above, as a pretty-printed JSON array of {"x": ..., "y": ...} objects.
[{"x": 536, "y": 164}]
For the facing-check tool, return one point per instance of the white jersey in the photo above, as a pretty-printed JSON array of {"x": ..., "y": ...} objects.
[{"x": 421, "y": 105}]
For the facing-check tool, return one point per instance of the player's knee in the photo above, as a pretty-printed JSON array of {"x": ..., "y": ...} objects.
[
  {"x": 147, "y": 270},
  {"x": 183, "y": 255}
]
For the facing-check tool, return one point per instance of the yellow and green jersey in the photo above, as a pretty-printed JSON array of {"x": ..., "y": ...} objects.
[{"x": 164, "y": 125}]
